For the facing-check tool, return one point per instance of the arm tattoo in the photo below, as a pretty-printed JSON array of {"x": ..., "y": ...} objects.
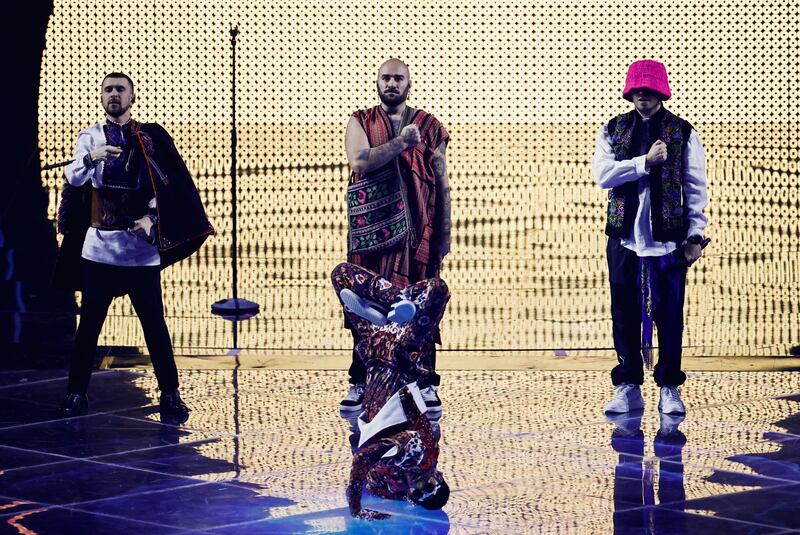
[
  {"x": 379, "y": 156},
  {"x": 387, "y": 150},
  {"x": 445, "y": 210},
  {"x": 439, "y": 166}
]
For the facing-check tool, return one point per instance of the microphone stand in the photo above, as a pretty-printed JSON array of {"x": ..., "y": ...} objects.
[{"x": 235, "y": 308}]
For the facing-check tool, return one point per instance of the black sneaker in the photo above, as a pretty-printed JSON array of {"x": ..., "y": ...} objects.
[
  {"x": 354, "y": 398},
  {"x": 172, "y": 407},
  {"x": 73, "y": 405}
]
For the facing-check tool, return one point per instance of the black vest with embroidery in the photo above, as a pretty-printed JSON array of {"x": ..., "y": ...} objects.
[
  {"x": 127, "y": 188},
  {"x": 669, "y": 216}
]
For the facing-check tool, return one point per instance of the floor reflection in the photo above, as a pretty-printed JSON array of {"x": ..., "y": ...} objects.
[
  {"x": 527, "y": 451},
  {"x": 784, "y": 462},
  {"x": 773, "y": 506},
  {"x": 643, "y": 481}
]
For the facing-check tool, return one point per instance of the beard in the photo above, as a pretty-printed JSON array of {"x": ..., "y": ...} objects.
[
  {"x": 394, "y": 99},
  {"x": 116, "y": 109},
  {"x": 647, "y": 106}
]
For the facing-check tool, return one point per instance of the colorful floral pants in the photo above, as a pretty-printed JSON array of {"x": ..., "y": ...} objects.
[{"x": 394, "y": 354}]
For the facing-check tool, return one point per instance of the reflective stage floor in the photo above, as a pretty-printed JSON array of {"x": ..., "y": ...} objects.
[{"x": 265, "y": 451}]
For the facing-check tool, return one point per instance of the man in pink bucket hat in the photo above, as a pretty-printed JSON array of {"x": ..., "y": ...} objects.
[{"x": 653, "y": 164}]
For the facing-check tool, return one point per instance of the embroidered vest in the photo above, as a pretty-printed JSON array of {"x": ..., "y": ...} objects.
[
  {"x": 127, "y": 188},
  {"x": 668, "y": 213}
]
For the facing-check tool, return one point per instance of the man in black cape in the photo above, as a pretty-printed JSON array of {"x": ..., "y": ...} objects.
[{"x": 130, "y": 208}]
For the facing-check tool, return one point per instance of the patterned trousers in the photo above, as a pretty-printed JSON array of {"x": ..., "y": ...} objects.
[{"x": 393, "y": 354}]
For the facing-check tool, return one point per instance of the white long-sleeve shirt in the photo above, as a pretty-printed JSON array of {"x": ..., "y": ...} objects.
[
  {"x": 610, "y": 173},
  {"x": 114, "y": 247}
]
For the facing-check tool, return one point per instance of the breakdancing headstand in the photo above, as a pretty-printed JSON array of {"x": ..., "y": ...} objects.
[{"x": 398, "y": 450}]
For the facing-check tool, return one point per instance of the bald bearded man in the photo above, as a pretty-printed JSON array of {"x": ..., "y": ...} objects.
[{"x": 398, "y": 202}]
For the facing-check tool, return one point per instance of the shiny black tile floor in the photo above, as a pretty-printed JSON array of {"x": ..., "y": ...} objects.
[{"x": 265, "y": 451}]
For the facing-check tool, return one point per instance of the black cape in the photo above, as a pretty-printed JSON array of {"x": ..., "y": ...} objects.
[{"x": 182, "y": 225}]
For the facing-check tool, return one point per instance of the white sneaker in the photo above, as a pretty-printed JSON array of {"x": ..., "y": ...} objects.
[
  {"x": 431, "y": 399},
  {"x": 402, "y": 311},
  {"x": 361, "y": 307},
  {"x": 352, "y": 401},
  {"x": 627, "y": 398},
  {"x": 670, "y": 402}
]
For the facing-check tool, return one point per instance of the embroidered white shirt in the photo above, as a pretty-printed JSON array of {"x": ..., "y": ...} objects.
[{"x": 114, "y": 247}]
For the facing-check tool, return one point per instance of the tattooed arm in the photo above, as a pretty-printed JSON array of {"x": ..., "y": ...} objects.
[
  {"x": 363, "y": 159},
  {"x": 441, "y": 228}
]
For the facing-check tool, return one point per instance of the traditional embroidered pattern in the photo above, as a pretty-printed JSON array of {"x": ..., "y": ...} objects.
[
  {"x": 377, "y": 213},
  {"x": 616, "y": 211},
  {"x": 408, "y": 259},
  {"x": 671, "y": 217},
  {"x": 394, "y": 355}
]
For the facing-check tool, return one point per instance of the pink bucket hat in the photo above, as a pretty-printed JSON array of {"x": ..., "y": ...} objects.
[{"x": 647, "y": 74}]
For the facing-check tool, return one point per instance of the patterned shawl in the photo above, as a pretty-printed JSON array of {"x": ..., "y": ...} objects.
[{"x": 407, "y": 262}]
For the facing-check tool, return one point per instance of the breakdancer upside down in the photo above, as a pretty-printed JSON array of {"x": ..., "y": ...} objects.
[{"x": 398, "y": 449}]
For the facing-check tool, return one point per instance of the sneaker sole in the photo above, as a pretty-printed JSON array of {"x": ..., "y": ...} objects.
[
  {"x": 350, "y": 408},
  {"x": 633, "y": 408},
  {"x": 673, "y": 413},
  {"x": 402, "y": 312},
  {"x": 359, "y": 307}
]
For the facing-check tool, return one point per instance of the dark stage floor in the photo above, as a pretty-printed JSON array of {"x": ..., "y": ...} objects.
[{"x": 265, "y": 451}]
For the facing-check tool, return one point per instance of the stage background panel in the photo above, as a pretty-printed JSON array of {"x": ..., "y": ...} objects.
[{"x": 522, "y": 87}]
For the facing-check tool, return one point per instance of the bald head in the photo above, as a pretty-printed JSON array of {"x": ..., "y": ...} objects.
[
  {"x": 394, "y": 66},
  {"x": 394, "y": 82}
]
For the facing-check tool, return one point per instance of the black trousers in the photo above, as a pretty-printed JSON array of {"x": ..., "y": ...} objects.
[
  {"x": 358, "y": 373},
  {"x": 100, "y": 284},
  {"x": 626, "y": 317}
]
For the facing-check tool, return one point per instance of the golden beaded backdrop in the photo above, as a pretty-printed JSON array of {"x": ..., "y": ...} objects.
[{"x": 522, "y": 87}]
